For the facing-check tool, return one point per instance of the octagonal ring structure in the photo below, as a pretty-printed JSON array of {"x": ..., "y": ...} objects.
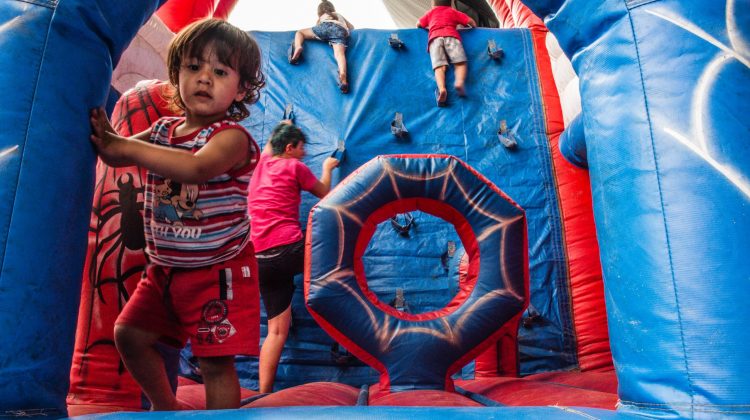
[{"x": 416, "y": 351}]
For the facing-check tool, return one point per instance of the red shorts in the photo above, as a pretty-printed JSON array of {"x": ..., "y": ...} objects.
[{"x": 216, "y": 307}]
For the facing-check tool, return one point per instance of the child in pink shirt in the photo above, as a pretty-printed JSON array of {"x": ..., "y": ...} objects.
[
  {"x": 444, "y": 45},
  {"x": 274, "y": 200}
]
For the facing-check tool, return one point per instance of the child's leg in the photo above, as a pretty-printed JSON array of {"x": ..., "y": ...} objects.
[
  {"x": 339, "y": 52},
  {"x": 440, "y": 81},
  {"x": 299, "y": 39},
  {"x": 221, "y": 382},
  {"x": 270, "y": 353},
  {"x": 460, "y": 73},
  {"x": 145, "y": 364}
]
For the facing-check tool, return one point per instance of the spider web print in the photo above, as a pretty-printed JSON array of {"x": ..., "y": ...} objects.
[
  {"x": 115, "y": 260},
  {"x": 497, "y": 290}
]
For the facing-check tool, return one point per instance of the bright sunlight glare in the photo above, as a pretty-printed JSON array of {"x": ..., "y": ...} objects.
[{"x": 289, "y": 15}]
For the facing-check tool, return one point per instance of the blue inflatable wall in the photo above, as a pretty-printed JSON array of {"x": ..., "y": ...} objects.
[
  {"x": 665, "y": 88},
  {"x": 385, "y": 81},
  {"x": 57, "y": 60}
]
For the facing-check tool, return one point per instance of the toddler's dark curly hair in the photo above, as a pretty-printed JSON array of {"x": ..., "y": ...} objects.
[{"x": 232, "y": 46}]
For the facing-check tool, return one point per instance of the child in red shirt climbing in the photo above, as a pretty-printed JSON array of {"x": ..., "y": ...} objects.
[
  {"x": 444, "y": 45},
  {"x": 201, "y": 282}
]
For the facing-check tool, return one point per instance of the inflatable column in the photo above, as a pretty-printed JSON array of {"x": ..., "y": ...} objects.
[
  {"x": 665, "y": 88},
  {"x": 115, "y": 260},
  {"x": 57, "y": 58}
]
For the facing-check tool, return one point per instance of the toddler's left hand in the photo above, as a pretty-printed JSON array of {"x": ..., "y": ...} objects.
[{"x": 108, "y": 144}]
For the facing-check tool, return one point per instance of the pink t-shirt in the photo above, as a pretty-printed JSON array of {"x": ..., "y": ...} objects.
[
  {"x": 442, "y": 21},
  {"x": 274, "y": 199}
]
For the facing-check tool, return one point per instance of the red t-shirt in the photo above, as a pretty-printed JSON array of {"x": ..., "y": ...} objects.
[
  {"x": 442, "y": 21},
  {"x": 274, "y": 200}
]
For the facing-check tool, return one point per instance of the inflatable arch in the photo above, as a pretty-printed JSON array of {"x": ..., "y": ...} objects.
[{"x": 663, "y": 87}]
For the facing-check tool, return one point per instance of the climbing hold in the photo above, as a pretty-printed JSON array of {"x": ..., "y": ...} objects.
[
  {"x": 398, "y": 128},
  {"x": 495, "y": 52},
  {"x": 338, "y": 154},
  {"x": 506, "y": 137},
  {"x": 403, "y": 228},
  {"x": 441, "y": 100},
  {"x": 289, "y": 113},
  {"x": 290, "y": 54},
  {"x": 395, "y": 43}
]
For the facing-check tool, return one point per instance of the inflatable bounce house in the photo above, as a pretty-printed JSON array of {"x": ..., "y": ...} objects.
[{"x": 542, "y": 248}]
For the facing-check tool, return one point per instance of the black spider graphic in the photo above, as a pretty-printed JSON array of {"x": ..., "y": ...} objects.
[{"x": 128, "y": 236}]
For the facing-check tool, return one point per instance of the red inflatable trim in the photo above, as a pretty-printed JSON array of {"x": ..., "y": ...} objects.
[
  {"x": 514, "y": 14},
  {"x": 224, "y": 8},
  {"x": 177, "y": 14},
  {"x": 422, "y": 398},
  {"x": 580, "y": 389},
  {"x": 193, "y": 397},
  {"x": 574, "y": 195},
  {"x": 311, "y": 394},
  {"x": 113, "y": 266}
]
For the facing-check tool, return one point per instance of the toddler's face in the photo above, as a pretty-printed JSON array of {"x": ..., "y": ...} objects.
[{"x": 208, "y": 87}]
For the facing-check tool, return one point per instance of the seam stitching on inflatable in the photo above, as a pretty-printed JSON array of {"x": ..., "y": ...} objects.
[
  {"x": 573, "y": 411},
  {"x": 679, "y": 404},
  {"x": 661, "y": 204},
  {"x": 569, "y": 344},
  {"x": 463, "y": 131},
  {"x": 696, "y": 408},
  {"x": 632, "y": 4},
  {"x": 48, "y": 4},
  {"x": 26, "y": 132}
]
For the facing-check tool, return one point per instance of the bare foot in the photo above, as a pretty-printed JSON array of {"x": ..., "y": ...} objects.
[
  {"x": 461, "y": 90},
  {"x": 175, "y": 405},
  {"x": 343, "y": 84},
  {"x": 296, "y": 56},
  {"x": 442, "y": 97}
]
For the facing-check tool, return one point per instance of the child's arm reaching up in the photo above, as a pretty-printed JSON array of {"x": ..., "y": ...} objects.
[
  {"x": 322, "y": 187},
  {"x": 226, "y": 150}
]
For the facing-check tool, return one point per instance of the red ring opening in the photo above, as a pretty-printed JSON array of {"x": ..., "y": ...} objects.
[{"x": 437, "y": 209}]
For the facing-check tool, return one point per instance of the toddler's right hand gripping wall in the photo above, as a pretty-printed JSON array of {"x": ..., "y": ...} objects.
[{"x": 665, "y": 86}]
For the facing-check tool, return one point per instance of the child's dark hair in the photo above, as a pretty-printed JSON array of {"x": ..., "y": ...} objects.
[
  {"x": 448, "y": 3},
  {"x": 232, "y": 46},
  {"x": 284, "y": 134},
  {"x": 325, "y": 6}
]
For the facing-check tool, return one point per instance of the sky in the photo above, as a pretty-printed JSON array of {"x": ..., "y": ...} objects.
[{"x": 288, "y": 15}]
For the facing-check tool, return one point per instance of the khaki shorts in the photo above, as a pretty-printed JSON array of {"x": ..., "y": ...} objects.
[{"x": 445, "y": 49}]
